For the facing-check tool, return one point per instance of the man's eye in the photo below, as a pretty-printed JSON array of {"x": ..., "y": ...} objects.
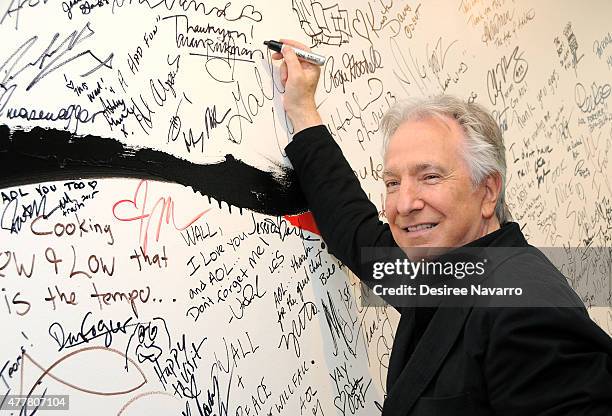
[
  {"x": 391, "y": 184},
  {"x": 432, "y": 177}
]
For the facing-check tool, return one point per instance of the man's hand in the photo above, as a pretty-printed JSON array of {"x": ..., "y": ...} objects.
[{"x": 300, "y": 80}]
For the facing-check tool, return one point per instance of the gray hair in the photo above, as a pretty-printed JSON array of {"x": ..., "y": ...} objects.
[{"x": 484, "y": 149}]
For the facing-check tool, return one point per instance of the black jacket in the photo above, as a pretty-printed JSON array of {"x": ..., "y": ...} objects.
[{"x": 474, "y": 360}]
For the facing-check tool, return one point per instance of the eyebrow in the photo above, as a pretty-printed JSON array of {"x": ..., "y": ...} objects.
[{"x": 418, "y": 168}]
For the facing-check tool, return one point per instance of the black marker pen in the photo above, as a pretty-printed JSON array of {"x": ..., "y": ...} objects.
[{"x": 313, "y": 58}]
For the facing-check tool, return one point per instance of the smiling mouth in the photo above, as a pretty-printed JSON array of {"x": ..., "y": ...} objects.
[{"x": 420, "y": 227}]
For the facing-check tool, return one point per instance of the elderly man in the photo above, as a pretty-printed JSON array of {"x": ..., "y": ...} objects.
[{"x": 444, "y": 177}]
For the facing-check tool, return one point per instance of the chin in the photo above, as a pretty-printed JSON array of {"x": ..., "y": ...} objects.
[
  {"x": 419, "y": 242},
  {"x": 424, "y": 251}
]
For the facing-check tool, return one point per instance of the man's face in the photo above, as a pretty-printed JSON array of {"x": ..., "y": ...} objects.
[{"x": 431, "y": 201}]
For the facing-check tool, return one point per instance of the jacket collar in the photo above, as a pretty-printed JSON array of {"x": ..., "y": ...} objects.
[
  {"x": 508, "y": 235},
  {"x": 444, "y": 328}
]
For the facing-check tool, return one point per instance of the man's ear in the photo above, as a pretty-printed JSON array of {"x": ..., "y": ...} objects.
[{"x": 492, "y": 187}]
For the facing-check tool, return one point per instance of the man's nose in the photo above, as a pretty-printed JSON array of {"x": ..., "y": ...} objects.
[{"x": 409, "y": 198}]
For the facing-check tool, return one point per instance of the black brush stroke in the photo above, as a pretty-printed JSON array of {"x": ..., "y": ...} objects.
[{"x": 41, "y": 155}]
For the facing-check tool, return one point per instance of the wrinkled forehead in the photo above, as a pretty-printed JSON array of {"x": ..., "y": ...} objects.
[{"x": 444, "y": 127}]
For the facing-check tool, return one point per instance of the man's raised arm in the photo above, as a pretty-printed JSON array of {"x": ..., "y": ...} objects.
[{"x": 346, "y": 217}]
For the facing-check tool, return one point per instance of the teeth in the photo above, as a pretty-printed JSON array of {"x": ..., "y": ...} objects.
[{"x": 420, "y": 227}]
